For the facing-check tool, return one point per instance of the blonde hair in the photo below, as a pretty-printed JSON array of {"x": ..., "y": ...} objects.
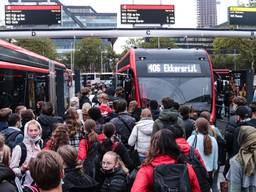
[
  {"x": 5, "y": 152},
  {"x": 118, "y": 161}
]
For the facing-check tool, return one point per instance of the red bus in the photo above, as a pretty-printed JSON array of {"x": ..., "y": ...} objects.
[
  {"x": 27, "y": 77},
  {"x": 186, "y": 75}
]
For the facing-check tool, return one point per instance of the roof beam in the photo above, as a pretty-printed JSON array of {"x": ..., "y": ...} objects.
[{"x": 125, "y": 32}]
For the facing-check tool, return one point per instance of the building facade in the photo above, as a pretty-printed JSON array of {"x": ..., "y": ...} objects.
[{"x": 206, "y": 13}]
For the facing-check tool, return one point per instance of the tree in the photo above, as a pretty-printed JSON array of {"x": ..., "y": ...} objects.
[
  {"x": 42, "y": 46},
  {"x": 152, "y": 42},
  {"x": 243, "y": 51},
  {"x": 91, "y": 54}
]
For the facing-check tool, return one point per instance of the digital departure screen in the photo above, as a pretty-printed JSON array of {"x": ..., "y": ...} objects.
[
  {"x": 242, "y": 15},
  {"x": 147, "y": 14},
  {"x": 173, "y": 68},
  {"x": 32, "y": 14}
]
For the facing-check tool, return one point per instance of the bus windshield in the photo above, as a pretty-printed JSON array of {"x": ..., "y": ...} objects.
[{"x": 194, "y": 91}]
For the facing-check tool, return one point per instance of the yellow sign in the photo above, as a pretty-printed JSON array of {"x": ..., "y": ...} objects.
[{"x": 242, "y": 9}]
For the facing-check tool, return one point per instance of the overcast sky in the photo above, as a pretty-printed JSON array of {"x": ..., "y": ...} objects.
[{"x": 185, "y": 10}]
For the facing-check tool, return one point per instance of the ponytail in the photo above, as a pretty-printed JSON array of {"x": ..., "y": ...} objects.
[
  {"x": 207, "y": 145},
  {"x": 92, "y": 137}
]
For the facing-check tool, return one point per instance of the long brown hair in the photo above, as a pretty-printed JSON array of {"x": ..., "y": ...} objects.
[
  {"x": 5, "y": 152},
  {"x": 89, "y": 126},
  {"x": 202, "y": 126},
  {"x": 59, "y": 137},
  {"x": 163, "y": 143}
]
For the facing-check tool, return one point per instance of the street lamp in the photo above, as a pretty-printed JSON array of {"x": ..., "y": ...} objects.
[{"x": 101, "y": 60}]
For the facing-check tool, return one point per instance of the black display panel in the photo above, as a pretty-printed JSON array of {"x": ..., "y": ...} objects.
[
  {"x": 32, "y": 14},
  {"x": 147, "y": 14},
  {"x": 242, "y": 15}
]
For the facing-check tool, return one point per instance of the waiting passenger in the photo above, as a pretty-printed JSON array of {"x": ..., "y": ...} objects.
[{"x": 75, "y": 180}]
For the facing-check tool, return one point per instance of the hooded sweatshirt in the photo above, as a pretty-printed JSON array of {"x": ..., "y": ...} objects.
[
  {"x": 141, "y": 136},
  {"x": 167, "y": 116},
  {"x": 144, "y": 178},
  {"x": 32, "y": 151}
]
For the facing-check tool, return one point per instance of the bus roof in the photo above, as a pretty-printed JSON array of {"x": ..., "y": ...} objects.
[
  {"x": 171, "y": 53},
  {"x": 18, "y": 49}
]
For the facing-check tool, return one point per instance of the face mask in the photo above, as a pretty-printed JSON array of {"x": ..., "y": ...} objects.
[{"x": 35, "y": 140}]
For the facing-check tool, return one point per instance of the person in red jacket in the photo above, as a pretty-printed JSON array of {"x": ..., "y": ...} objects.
[
  {"x": 163, "y": 150},
  {"x": 87, "y": 142}
]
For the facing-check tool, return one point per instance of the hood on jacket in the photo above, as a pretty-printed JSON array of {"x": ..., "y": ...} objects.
[
  {"x": 183, "y": 145},
  {"x": 163, "y": 159},
  {"x": 168, "y": 115},
  {"x": 26, "y": 137},
  {"x": 145, "y": 126}
]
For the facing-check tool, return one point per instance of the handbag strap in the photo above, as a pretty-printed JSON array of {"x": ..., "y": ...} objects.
[
  {"x": 126, "y": 125},
  {"x": 195, "y": 141}
]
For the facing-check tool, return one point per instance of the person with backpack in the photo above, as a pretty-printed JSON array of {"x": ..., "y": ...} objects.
[
  {"x": 13, "y": 134},
  {"x": 168, "y": 116},
  {"x": 114, "y": 173},
  {"x": 193, "y": 157},
  {"x": 27, "y": 150},
  {"x": 206, "y": 145},
  {"x": 124, "y": 122},
  {"x": 89, "y": 139},
  {"x": 141, "y": 134},
  {"x": 75, "y": 180},
  {"x": 112, "y": 143},
  {"x": 165, "y": 168}
]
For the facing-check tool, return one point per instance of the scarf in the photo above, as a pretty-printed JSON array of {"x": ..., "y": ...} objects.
[{"x": 247, "y": 152}]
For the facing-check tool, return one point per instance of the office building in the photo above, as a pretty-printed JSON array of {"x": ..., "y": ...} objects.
[{"x": 206, "y": 13}]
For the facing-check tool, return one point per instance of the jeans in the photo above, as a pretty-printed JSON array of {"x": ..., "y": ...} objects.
[{"x": 215, "y": 180}]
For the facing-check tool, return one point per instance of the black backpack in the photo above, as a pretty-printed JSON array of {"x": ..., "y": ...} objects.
[
  {"x": 91, "y": 164},
  {"x": 200, "y": 171},
  {"x": 171, "y": 178}
]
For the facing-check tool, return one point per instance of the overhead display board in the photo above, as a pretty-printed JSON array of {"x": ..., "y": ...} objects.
[
  {"x": 147, "y": 14},
  {"x": 242, "y": 15},
  {"x": 32, "y": 14}
]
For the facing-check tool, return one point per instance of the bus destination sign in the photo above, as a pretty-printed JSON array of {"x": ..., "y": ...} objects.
[
  {"x": 32, "y": 15},
  {"x": 173, "y": 68},
  {"x": 147, "y": 14}
]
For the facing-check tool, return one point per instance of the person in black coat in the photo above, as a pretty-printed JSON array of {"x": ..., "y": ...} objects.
[
  {"x": 114, "y": 173},
  {"x": 112, "y": 143},
  {"x": 7, "y": 177},
  {"x": 75, "y": 180}
]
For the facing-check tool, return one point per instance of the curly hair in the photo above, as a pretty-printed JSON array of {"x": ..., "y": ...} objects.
[
  {"x": 59, "y": 137},
  {"x": 72, "y": 122}
]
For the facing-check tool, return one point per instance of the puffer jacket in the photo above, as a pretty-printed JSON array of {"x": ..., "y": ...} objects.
[
  {"x": 114, "y": 182},
  {"x": 167, "y": 116},
  {"x": 121, "y": 129},
  {"x": 144, "y": 178},
  {"x": 141, "y": 136}
]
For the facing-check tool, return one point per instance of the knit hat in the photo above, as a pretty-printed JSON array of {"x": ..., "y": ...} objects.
[{"x": 244, "y": 111}]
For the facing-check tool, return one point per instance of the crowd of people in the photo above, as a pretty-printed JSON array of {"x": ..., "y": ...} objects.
[{"x": 110, "y": 145}]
